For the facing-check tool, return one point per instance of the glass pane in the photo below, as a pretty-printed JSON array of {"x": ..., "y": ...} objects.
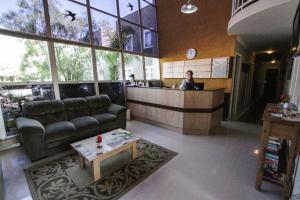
[
  {"x": 109, "y": 66},
  {"x": 152, "y": 68},
  {"x": 129, "y": 10},
  {"x": 105, "y": 29},
  {"x": 133, "y": 65},
  {"x": 115, "y": 91},
  {"x": 25, "y": 16},
  {"x": 150, "y": 45},
  {"x": 148, "y": 13},
  {"x": 109, "y": 6},
  {"x": 73, "y": 63},
  {"x": 76, "y": 90},
  {"x": 130, "y": 37},
  {"x": 23, "y": 60},
  {"x": 69, "y": 20},
  {"x": 13, "y": 97}
]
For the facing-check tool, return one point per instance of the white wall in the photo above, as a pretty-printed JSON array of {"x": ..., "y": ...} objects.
[
  {"x": 2, "y": 127},
  {"x": 242, "y": 94},
  {"x": 294, "y": 91}
]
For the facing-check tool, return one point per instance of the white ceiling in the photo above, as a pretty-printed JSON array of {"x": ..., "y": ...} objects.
[{"x": 269, "y": 28}]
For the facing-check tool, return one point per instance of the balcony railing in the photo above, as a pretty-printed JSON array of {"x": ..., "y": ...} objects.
[{"x": 238, "y": 5}]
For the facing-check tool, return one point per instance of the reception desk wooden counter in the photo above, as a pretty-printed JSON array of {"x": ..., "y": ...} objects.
[{"x": 187, "y": 112}]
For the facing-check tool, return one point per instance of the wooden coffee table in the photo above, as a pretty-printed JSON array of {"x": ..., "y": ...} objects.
[{"x": 113, "y": 142}]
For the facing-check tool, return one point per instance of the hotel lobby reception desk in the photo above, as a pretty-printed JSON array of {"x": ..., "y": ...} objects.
[{"x": 187, "y": 112}]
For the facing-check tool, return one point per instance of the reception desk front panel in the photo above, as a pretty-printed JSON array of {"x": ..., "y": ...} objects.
[{"x": 188, "y": 112}]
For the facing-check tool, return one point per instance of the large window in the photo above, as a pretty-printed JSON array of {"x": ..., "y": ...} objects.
[
  {"x": 150, "y": 45},
  {"x": 23, "y": 60},
  {"x": 105, "y": 29},
  {"x": 134, "y": 65},
  {"x": 109, "y": 65},
  {"x": 57, "y": 48},
  {"x": 148, "y": 13},
  {"x": 24, "y": 16},
  {"x": 129, "y": 10},
  {"x": 108, "y": 6},
  {"x": 132, "y": 36},
  {"x": 152, "y": 68},
  {"x": 73, "y": 63},
  {"x": 69, "y": 20}
]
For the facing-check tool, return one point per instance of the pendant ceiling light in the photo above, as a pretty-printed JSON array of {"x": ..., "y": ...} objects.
[{"x": 189, "y": 8}]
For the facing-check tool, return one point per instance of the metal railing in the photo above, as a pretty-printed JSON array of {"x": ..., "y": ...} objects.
[{"x": 238, "y": 5}]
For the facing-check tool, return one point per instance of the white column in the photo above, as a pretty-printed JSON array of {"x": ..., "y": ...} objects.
[{"x": 2, "y": 127}]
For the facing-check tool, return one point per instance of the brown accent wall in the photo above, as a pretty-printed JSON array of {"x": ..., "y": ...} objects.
[{"x": 205, "y": 30}]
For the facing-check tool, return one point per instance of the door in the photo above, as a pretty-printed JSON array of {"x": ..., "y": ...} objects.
[{"x": 271, "y": 85}]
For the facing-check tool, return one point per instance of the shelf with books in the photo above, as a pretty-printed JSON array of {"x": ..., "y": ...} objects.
[{"x": 272, "y": 159}]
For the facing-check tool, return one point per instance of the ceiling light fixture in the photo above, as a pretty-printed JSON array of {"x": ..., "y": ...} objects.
[
  {"x": 189, "y": 8},
  {"x": 273, "y": 61},
  {"x": 269, "y": 51}
]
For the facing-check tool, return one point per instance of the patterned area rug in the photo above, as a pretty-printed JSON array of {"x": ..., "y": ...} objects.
[{"x": 51, "y": 180}]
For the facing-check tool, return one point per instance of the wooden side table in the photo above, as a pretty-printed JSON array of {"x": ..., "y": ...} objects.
[{"x": 282, "y": 129}]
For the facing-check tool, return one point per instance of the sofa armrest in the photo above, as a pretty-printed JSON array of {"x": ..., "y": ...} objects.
[
  {"x": 33, "y": 137},
  {"x": 28, "y": 126},
  {"x": 116, "y": 109}
]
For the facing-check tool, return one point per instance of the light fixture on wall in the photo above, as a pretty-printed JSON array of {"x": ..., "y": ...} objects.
[{"x": 189, "y": 8}]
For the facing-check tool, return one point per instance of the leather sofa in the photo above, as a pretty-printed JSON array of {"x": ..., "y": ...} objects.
[{"x": 49, "y": 127}]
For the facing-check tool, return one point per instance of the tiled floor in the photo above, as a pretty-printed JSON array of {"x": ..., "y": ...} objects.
[{"x": 217, "y": 167}]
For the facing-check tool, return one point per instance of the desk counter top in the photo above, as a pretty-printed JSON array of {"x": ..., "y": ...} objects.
[{"x": 176, "y": 89}]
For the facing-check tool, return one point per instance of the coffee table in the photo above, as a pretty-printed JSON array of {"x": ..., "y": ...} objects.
[{"x": 113, "y": 142}]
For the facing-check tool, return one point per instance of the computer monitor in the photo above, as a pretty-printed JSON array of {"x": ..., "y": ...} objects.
[{"x": 199, "y": 86}]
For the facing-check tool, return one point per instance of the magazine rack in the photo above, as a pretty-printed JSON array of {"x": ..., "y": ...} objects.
[{"x": 285, "y": 130}]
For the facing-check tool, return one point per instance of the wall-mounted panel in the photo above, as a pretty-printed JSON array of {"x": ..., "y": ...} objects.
[
  {"x": 220, "y": 67},
  {"x": 202, "y": 68}
]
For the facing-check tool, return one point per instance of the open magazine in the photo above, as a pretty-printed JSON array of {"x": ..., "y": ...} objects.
[{"x": 120, "y": 137}]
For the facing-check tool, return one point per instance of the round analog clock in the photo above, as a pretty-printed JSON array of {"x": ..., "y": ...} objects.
[{"x": 191, "y": 53}]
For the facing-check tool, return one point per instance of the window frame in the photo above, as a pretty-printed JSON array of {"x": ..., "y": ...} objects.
[
  {"x": 51, "y": 40},
  {"x": 145, "y": 32}
]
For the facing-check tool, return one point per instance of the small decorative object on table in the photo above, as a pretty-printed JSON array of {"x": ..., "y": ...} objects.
[
  {"x": 284, "y": 99},
  {"x": 98, "y": 141}
]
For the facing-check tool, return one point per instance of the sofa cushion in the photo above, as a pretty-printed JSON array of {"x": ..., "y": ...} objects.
[
  {"x": 46, "y": 112},
  {"x": 98, "y": 104},
  {"x": 60, "y": 131},
  {"x": 105, "y": 118},
  {"x": 83, "y": 124},
  {"x": 76, "y": 107}
]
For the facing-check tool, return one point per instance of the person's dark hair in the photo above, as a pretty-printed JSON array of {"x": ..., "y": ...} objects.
[{"x": 189, "y": 71}]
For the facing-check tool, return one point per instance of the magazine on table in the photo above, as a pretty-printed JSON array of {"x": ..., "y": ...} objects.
[{"x": 120, "y": 137}]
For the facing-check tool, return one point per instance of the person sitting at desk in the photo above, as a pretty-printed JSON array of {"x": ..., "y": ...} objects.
[{"x": 188, "y": 83}]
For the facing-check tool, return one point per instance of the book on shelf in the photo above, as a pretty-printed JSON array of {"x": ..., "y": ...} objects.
[
  {"x": 271, "y": 160},
  {"x": 270, "y": 155}
]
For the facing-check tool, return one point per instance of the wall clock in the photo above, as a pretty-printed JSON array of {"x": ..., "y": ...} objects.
[{"x": 191, "y": 53}]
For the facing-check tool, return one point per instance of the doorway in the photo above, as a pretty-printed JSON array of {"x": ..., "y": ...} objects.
[{"x": 271, "y": 83}]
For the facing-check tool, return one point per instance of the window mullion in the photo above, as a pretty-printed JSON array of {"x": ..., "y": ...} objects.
[
  {"x": 93, "y": 51},
  {"x": 142, "y": 39},
  {"x": 51, "y": 51}
]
